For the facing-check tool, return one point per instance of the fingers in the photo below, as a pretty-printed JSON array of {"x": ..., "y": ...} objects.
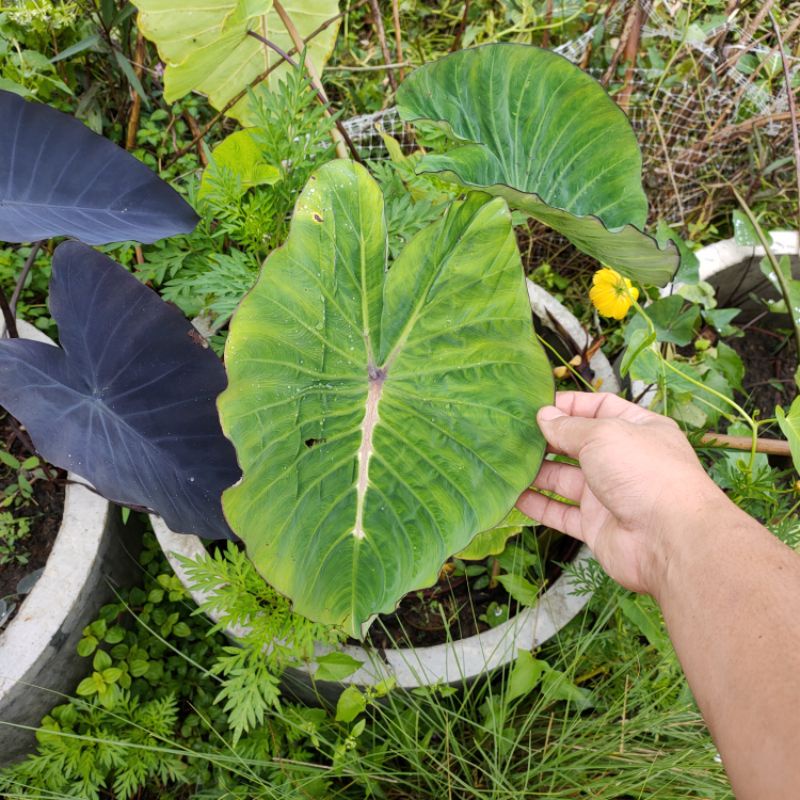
[
  {"x": 601, "y": 405},
  {"x": 565, "y": 434},
  {"x": 549, "y": 512},
  {"x": 563, "y": 479}
]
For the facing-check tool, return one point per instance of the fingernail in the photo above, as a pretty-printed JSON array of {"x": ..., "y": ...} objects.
[{"x": 549, "y": 412}]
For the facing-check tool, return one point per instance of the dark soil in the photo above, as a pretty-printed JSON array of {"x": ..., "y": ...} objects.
[
  {"x": 770, "y": 360},
  {"x": 44, "y": 509},
  {"x": 452, "y": 608}
]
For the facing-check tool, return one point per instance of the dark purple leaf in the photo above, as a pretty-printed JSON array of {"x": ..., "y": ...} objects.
[
  {"x": 128, "y": 400},
  {"x": 58, "y": 178}
]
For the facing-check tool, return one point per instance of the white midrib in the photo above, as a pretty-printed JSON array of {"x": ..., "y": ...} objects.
[{"x": 365, "y": 451}]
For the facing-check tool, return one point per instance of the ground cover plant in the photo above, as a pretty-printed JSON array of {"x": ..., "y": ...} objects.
[
  {"x": 144, "y": 724},
  {"x": 609, "y": 685}
]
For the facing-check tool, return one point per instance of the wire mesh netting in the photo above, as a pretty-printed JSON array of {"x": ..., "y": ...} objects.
[{"x": 696, "y": 133}]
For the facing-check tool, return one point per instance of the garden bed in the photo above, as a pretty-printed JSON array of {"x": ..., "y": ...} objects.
[{"x": 466, "y": 600}]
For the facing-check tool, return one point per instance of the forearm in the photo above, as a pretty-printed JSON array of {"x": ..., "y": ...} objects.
[{"x": 730, "y": 595}]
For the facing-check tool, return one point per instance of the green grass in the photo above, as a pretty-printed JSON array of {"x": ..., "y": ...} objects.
[{"x": 638, "y": 736}]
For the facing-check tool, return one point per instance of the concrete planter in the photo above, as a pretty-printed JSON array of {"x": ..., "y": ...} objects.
[
  {"x": 733, "y": 269},
  {"x": 465, "y": 659},
  {"x": 37, "y": 648}
]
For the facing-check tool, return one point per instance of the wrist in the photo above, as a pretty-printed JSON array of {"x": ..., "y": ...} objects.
[{"x": 689, "y": 538}]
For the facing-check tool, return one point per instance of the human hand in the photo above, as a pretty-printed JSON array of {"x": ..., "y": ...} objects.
[{"x": 639, "y": 489}]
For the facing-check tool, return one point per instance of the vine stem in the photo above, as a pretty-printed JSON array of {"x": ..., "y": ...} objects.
[
  {"x": 565, "y": 363},
  {"x": 776, "y": 267}
]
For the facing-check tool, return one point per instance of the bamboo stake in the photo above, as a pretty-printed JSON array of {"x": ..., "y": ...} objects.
[
  {"x": 623, "y": 99},
  {"x": 377, "y": 21},
  {"x": 775, "y": 447},
  {"x": 398, "y": 39}
]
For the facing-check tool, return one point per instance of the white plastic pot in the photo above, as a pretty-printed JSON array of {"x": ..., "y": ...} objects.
[
  {"x": 464, "y": 659},
  {"x": 38, "y": 660}
]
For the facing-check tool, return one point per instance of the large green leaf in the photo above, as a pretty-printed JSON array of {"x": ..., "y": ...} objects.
[
  {"x": 382, "y": 415},
  {"x": 206, "y": 46},
  {"x": 790, "y": 427},
  {"x": 546, "y": 137}
]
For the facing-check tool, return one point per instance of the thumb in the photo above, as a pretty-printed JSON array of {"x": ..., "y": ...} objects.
[{"x": 564, "y": 434}]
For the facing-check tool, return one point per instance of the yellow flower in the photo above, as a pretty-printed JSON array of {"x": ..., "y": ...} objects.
[{"x": 611, "y": 294}]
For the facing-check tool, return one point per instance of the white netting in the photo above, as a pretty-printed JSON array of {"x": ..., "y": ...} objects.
[{"x": 694, "y": 133}]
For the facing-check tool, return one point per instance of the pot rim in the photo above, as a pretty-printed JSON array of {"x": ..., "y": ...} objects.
[{"x": 722, "y": 255}]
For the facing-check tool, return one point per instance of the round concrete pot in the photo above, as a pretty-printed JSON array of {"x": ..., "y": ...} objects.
[
  {"x": 734, "y": 268},
  {"x": 734, "y": 272},
  {"x": 464, "y": 659},
  {"x": 38, "y": 660}
]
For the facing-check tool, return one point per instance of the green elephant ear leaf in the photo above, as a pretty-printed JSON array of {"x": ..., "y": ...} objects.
[
  {"x": 537, "y": 131},
  {"x": 494, "y": 541},
  {"x": 207, "y": 48},
  {"x": 383, "y": 414}
]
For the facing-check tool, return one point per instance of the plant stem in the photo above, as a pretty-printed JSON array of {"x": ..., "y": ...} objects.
[
  {"x": 136, "y": 99},
  {"x": 20, "y": 285},
  {"x": 8, "y": 316},
  {"x": 377, "y": 21},
  {"x": 370, "y": 67},
  {"x": 462, "y": 26},
  {"x": 776, "y": 267},
  {"x": 341, "y": 140},
  {"x": 575, "y": 373},
  {"x": 320, "y": 95},
  {"x": 630, "y": 54}
]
